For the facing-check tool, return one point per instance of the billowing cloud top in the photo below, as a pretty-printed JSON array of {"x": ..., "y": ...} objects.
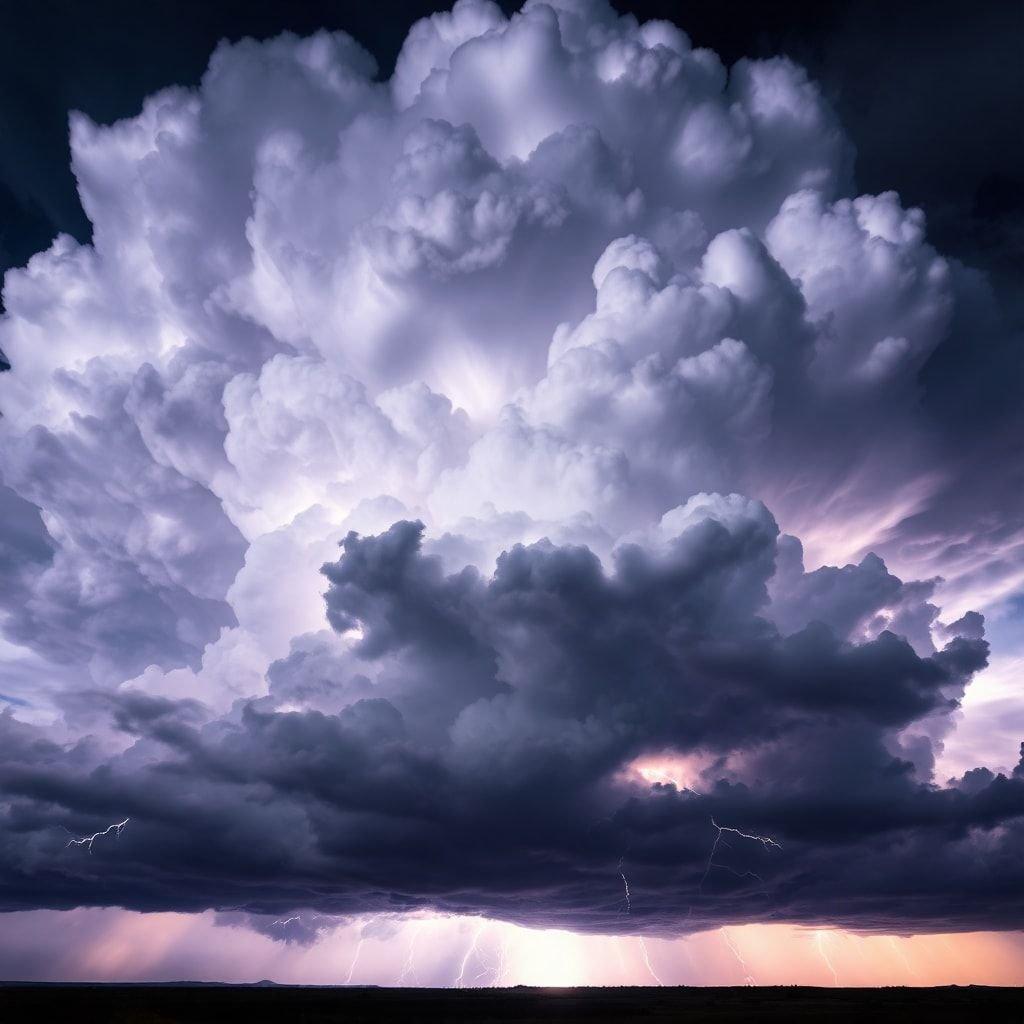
[{"x": 552, "y": 332}]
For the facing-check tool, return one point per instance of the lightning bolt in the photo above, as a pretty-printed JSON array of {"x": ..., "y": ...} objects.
[
  {"x": 287, "y": 920},
  {"x": 765, "y": 841},
  {"x": 501, "y": 974},
  {"x": 471, "y": 949},
  {"x": 407, "y": 967},
  {"x": 629, "y": 910},
  {"x": 858, "y": 945},
  {"x": 647, "y": 960},
  {"x": 494, "y": 962},
  {"x": 748, "y": 978},
  {"x": 688, "y": 952},
  {"x": 903, "y": 957},
  {"x": 355, "y": 960},
  {"x": 819, "y": 941},
  {"x": 87, "y": 841},
  {"x": 625, "y": 883},
  {"x": 740, "y": 874}
]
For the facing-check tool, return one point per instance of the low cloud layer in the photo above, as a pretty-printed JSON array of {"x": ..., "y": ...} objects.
[{"x": 660, "y": 534}]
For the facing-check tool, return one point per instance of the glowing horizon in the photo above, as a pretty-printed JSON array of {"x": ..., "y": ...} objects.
[{"x": 430, "y": 951}]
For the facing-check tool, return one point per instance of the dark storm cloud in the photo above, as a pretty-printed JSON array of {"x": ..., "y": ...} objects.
[
  {"x": 301, "y": 929},
  {"x": 484, "y": 775},
  {"x": 562, "y": 276}
]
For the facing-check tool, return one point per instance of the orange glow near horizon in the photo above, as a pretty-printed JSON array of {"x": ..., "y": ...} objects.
[{"x": 425, "y": 950}]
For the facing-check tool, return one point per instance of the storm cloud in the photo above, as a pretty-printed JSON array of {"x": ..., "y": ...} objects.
[{"x": 661, "y": 568}]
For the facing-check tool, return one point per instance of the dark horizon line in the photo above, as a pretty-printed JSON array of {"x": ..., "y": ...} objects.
[{"x": 341, "y": 986}]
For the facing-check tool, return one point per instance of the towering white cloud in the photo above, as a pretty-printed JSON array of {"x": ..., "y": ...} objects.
[{"x": 562, "y": 281}]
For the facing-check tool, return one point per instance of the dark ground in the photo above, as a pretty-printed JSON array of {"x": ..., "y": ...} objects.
[{"x": 156, "y": 1004}]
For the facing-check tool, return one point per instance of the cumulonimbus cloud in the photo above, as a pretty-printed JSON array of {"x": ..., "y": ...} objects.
[{"x": 552, "y": 331}]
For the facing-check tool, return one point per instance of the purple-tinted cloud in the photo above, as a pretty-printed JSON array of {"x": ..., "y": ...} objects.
[{"x": 553, "y": 331}]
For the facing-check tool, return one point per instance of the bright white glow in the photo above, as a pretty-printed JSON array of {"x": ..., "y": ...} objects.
[{"x": 87, "y": 841}]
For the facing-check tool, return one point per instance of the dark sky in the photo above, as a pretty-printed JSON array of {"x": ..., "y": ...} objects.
[{"x": 928, "y": 100}]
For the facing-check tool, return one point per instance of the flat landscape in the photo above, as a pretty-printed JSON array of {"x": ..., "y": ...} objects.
[{"x": 157, "y": 1004}]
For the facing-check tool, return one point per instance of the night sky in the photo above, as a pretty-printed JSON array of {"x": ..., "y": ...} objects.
[{"x": 537, "y": 480}]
